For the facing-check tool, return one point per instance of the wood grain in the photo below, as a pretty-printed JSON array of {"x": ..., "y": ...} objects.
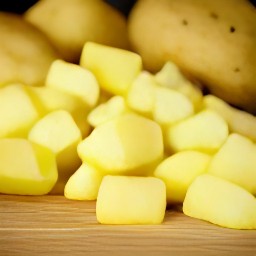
[{"x": 53, "y": 225}]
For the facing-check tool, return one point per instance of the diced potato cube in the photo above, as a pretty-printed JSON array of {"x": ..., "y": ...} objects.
[
  {"x": 179, "y": 170},
  {"x": 74, "y": 79},
  {"x": 236, "y": 162},
  {"x": 141, "y": 94},
  {"x": 127, "y": 144},
  {"x": 17, "y": 112},
  {"x": 108, "y": 110},
  {"x": 221, "y": 202},
  {"x": 83, "y": 184},
  {"x": 171, "y": 106},
  {"x": 171, "y": 77},
  {"x": 47, "y": 99},
  {"x": 59, "y": 132},
  {"x": 114, "y": 68},
  {"x": 206, "y": 131},
  {"x": 26, "y": 168},
  {"x": 164, "y": 105},
  {"x": 238, "y": 121},
  {"x": 131, "y": 200}
]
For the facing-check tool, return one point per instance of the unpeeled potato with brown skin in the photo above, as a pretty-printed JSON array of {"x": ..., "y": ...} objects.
[
  {"x": 213, "y": 41},
  {"x": 71, "y": 23},
  {"x": 25, "y": 52}
]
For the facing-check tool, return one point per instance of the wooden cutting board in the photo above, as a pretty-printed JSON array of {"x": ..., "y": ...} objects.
[{"x": 53, "y": 225}]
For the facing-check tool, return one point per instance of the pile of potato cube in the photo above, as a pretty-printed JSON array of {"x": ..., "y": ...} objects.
[{"x": 110, "y": 131}]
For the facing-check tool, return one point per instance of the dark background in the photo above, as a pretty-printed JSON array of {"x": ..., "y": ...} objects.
[{"x": 20, "y": 6}]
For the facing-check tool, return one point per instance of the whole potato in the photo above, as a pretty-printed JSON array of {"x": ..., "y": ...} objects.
[
  {"x": 70, "y": 23},
  {"x": 25, "y": 52},
  {"x": 213, "y": 41}
]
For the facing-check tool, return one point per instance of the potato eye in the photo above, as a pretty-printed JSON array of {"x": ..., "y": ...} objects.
[
  {"x": 214, "y": 15},
  {"x": 232, "y": 29},
  {"x": 184, "y": 22}
]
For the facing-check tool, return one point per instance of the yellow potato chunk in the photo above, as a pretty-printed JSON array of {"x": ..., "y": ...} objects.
[
  {"x": 73, "y": 79},
  {"x": 171, "y": 106},
  {"x": 47, "y": 99},
  {"x": 239, "y": 121},
  {"x": 127, "y": 144},
  {"x": 131, "y": 200},
  {"x": 59, "y": 132},
  {"x": 236, "y": 162},
  {"x": 206, "y": 131},
  {"x": 162, "y": 104},
  {"x": 141, "y": 94},
  {"x": 108, "y": 110},
  {"x": 17, "y": 112},
  {"x": 26, "y": 168},
  {"x": 179, "y": 170},
  {"x": 114, "y": 68},
  {"x": 171, "y": 77},
  {"x": 220, "y": 202},
  {"x": 83, "y": 184}
]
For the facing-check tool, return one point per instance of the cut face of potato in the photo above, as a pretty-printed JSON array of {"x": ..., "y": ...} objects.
[
  {"x": 171, "y": 77},
  {"x": 83, "y": 184},
  {"x": 179, "y": 170},
  {"x": 206, "y": 131},
  {"x": 141, "y": 94},
  {"x": 47, "y": 99},
  {"x": 131, "y": 200},
  {"x": 220, "y": 202},
  {"x": 113, "y": 67},
  {"x": 158, "y": 102},
  {"x": 16, "y": 122},
  {"x": 171, "y": 106},
  {"x": 238, "y": 121},
  {"x": 236, "y": 161},
  {"x": 75, "y": 80},
  {"x": 26, "y": 168},
  {"x": 126, "y": 145},
  {"x": 108, "y": 110},
  {"x": 59, "y": 132}
]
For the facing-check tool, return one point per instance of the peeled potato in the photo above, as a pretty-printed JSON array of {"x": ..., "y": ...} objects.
[
  {"x": 70, "y": 23},
  {"x": 205, "y": 38},
  {"x": 25, "y": 52}
]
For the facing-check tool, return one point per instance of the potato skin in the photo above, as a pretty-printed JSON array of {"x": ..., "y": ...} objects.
[
  {"x": 213, "y": 41},
  {"x": 25, "y": 52},
  {"x": 71, "y": 23}
]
